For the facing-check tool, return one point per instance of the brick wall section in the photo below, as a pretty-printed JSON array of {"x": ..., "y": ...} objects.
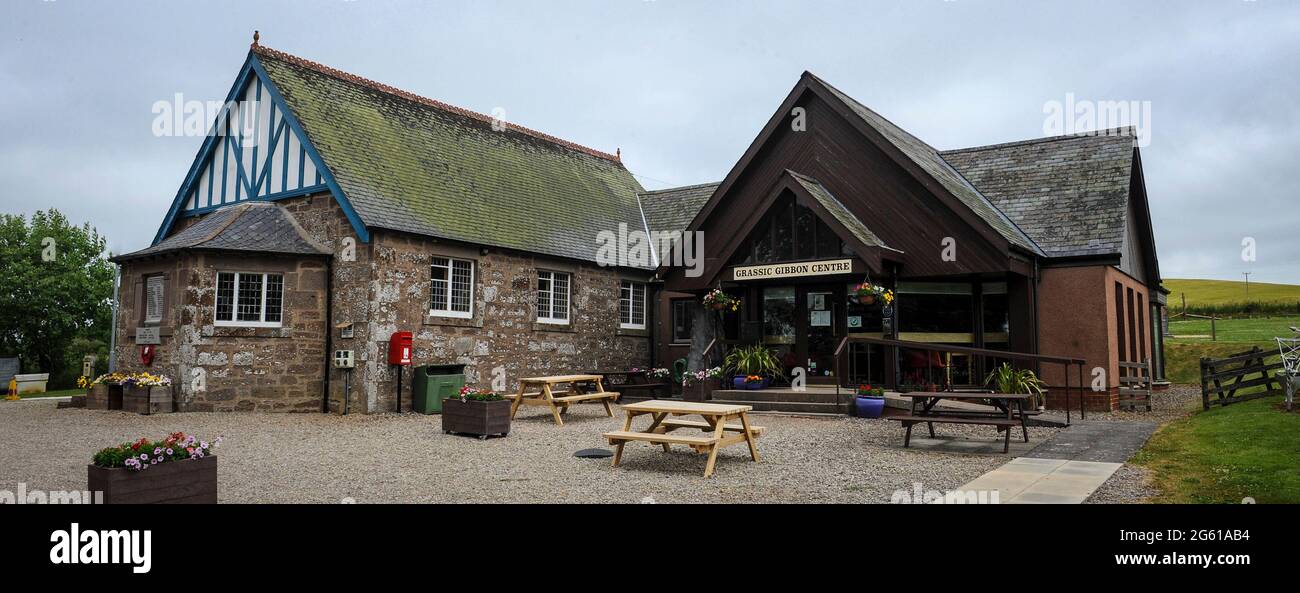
[
  {"x": 1077, "y": 318},
  {"x": 379, "y": 287}
]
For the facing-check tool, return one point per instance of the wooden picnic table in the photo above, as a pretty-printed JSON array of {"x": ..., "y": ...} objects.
[
  {"x": 638, "y": 380},
  {"x": 1010, "y": 412},
  {"x": 665, "y": 418},
  {"x": 538, "y": 391}
]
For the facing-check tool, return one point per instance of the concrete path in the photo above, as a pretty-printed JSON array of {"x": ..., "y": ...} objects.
[
  {"x": 1067, "y": 468},
  {"x": 1112, "y": 442},
  {"x": 1028, "y": 480}
]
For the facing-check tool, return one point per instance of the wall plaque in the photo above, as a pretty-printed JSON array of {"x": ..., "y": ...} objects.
[{"x": 148, "y": 335}]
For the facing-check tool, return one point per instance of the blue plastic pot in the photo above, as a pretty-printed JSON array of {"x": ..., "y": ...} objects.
[
  {"x": 739, "y": 383},
  {"x": 868, "y": 407}
]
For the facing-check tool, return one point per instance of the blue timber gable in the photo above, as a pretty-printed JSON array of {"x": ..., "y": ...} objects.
[{"x": 256, "y": 150}]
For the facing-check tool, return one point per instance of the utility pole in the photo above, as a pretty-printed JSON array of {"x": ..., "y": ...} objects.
[{"x": 1247, "y": 275}]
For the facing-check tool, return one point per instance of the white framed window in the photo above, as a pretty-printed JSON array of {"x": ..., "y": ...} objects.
[
  {"x": 250, "y": 299},
  {"x": 452, "y": 287},
  {"x": 553, "y": 297},
  {"x": 631, "y": 305},
  {"x": 153, "y": 299}
]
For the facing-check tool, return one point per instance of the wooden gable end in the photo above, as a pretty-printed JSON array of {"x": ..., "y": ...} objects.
[
  {"x": 871, "y": 183},
  {"x": 255, "y": 150}
]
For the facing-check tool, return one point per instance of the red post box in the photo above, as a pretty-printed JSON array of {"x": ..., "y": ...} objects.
[{"x": 399, "y": 348}]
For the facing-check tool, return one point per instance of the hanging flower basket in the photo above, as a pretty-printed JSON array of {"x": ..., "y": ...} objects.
[
  {"x": 721, "y": 301},
  {"x": 869, "y": 294}
]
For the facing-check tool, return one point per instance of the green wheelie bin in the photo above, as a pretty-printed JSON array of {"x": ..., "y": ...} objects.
[{"x": 434, "y": 383}]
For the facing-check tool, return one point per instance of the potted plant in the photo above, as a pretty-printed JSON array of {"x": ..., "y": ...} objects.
[
  {"x": 752, "y": 360},
  {"x": 106, "y": 392},
  {"x": 868, "y": 294},
  {"x": 721, "y": 301},
  {"x": 144, "y": 393},
  {"x": 179, "y": 468},
  {"x": 1007, "y": 379},
  {"x": 869, "y": 402},
  {"x": 479, "y": 412},
  {"x": 698, "y": 385}
]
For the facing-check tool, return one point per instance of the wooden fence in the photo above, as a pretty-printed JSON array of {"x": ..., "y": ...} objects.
[{"x": 1245, "y": 370}]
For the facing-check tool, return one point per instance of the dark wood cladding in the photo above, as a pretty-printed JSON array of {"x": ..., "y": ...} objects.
[
  {"x": 173, "y": 482},
  {"x": 882, "y": 194}
]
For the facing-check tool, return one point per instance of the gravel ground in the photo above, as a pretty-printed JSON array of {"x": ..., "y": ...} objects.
[
  {"x": 1129, "y": 484},
  {"x": 1171, "y": 404},
  {"x": 281, "y": 458}
]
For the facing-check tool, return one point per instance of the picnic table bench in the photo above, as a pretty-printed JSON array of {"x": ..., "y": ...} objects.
[
  {"x": 1010, "y": 412},
  {"x": 538, "y": 391},
  {"x": 716, "y": 427},
  {"x": 629, "y": 382}
]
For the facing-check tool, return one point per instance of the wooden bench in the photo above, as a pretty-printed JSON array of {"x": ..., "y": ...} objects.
[
  {"x": 664, "y": 417},
  {"x": 1004, "y": 425},
  {"x": 623, "y": 436},
  {"x": 538, "y": 391},
  {"x": 673, "y": 423}
]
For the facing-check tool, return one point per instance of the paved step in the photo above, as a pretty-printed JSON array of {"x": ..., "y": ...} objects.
[
  {"x": 815, "y": 396},
  {"x": 786, "y": 407}
]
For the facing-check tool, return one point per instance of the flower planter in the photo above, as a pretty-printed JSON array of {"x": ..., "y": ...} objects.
[
  {"x": 867, "y": 299},
  {"x": 739, "y": 383},
  {"x": 478, "y": 418},
  {"x": 868, "y": 406},
  {"x": 698, "y": 392},
  {"x": 152, "y": 399},
  {"x": 175, "y": 482},
  {"x": 104, "y": 396}
]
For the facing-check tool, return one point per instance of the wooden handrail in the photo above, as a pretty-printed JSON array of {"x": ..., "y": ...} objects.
[{"x": 961, "y": 349}]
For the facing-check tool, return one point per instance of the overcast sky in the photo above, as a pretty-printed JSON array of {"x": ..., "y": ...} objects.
[{"x": 683, "y": 88}]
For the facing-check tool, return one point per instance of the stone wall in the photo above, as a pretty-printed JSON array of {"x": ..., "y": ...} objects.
[
  {"x": 501, "y": 340},
  {"x": 378, "y": 288},
  {"x": 217, "y": 368}
]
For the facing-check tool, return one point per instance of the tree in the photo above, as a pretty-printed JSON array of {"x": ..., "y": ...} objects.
[{"x": 57, "y": 293}]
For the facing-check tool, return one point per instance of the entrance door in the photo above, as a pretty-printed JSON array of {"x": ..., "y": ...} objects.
[{"x": 822, "y": 308}]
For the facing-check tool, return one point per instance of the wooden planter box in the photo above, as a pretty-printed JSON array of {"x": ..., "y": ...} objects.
[
  {"x": 701, "y": 391},
  {"x": 104, "y": 397},
  {"x": 474, "y": 417},
  {"x": 174, "y": 482},
  {"x": 147, "y": 400}
]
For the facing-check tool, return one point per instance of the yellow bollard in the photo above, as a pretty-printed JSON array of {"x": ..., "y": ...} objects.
[{"x": 13, "y": 390}]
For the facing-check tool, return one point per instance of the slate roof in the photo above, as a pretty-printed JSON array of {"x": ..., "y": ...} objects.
[
  {"x": 1070, "y": 193},
  {"x": 409, "y": 163},
  {"x": 926, "y": 157},
  {"x": 838, "y": 210},
  {"x": 252, "y": 227},
  {"x": 673, "y": 209}
]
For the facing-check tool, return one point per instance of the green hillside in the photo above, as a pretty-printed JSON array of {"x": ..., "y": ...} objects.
[{"x": 1224, "y": 292}]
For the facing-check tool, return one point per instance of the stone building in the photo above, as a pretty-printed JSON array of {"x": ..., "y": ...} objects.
[
  {"x": 326, "y": 212},
  {"x": 329, "y": 211}
]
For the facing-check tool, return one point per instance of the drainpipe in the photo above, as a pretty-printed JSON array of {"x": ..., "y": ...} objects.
[
  {"x": 112, "y": 332},
  {"x": 329, "y": 334}
]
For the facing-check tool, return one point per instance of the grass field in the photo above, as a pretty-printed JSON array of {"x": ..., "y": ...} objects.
[
  {"x": 1254, "y": 330},
  {"x": 1243, "y": 450},
  {"x": 1223, "y": 292}
]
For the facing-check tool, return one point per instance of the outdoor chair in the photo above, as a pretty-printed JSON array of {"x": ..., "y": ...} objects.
[{"x": 1289, "y": 375}]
